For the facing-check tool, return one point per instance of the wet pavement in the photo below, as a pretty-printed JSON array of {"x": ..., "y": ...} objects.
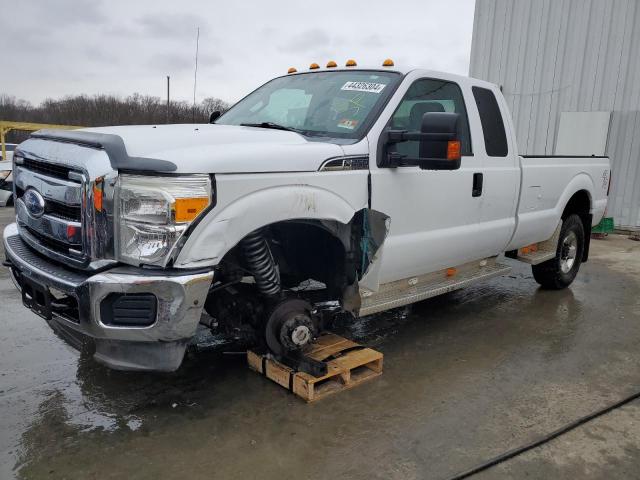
[{"x": 467, "y": 376}]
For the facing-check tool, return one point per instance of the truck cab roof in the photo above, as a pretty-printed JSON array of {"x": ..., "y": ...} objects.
[{"x": 403, "y": 70}]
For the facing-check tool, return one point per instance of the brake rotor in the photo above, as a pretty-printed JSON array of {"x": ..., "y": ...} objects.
[{"x": 290, "y": 327}]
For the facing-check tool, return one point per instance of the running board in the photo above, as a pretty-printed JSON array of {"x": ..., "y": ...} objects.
[
  {"x": 540, "y": 252},
  {"x": 411, "y": 290}
]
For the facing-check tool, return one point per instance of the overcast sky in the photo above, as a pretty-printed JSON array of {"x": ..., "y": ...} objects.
[{"x": 65, "y": 47}]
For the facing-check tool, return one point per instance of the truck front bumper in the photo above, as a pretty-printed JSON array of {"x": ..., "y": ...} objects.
[{"x": 146, "y": 334}]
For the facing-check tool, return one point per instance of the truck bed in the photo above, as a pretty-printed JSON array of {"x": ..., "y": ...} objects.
[{"x": 547, "y": 183}]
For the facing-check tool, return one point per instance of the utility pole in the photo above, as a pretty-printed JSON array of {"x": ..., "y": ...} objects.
[
  {"x": 168, "y": 104},
  {"x": 195, "y": 77}
]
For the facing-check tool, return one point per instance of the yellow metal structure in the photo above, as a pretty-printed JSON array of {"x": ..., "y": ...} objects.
[{"x": 6, "y": 127}]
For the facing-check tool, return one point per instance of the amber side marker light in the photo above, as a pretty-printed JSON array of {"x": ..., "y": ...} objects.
[
  {"x": 453, "y": 150},
  {"x": 351, "y": 63},
  {"x": 387, "y": 63},
  {"x": 187, "y": 209},
  {"x": 97, "y": 194},
  {"x": 292, "y": 70},
  {"x": 331, "y": 64},
  {"x": 529, "y": 249},
  {"x": 451, "y": 272},
  {"x": 314, "y": 66}
]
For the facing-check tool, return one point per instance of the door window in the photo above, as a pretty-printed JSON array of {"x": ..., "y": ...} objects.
[{"x": 429, "y": 95}]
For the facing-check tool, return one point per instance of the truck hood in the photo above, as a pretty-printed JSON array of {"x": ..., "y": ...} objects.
[{"x": 206, "y": 148}]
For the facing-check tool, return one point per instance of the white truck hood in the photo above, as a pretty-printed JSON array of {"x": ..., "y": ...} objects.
[{"x": 206, "y": 148}]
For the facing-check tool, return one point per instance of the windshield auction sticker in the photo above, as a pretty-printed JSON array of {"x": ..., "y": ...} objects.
[
  {"x": 347, "y": 123},
  {"x": 370, "y": 87}
]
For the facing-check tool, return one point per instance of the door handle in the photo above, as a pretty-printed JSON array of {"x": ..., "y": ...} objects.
[{"x": 477, "y": 184}]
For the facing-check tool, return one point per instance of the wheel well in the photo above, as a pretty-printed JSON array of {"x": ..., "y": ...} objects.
[
  {"x": 307, "y": 250},
  {"x": 335, "y": 254},
  {"x": 580, "y": 204}
]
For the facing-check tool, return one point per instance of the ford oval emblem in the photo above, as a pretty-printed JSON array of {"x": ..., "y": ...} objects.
[{"x": 34, "y": 202}]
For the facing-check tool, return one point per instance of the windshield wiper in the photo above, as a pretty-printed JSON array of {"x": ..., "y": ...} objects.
[{"x": 271, "y": 125}]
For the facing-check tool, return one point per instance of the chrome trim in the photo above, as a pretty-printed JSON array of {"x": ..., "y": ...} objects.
[
  {"x": 346, "y": 162},
  {"x": 78, "y": 177},
  {"x": 51, "y": 188},
  {"x": 50, "y": 226},
  {"x": 99, "y": 239},
  {"x": 36, "y": 244},
  {"x": 89, "y": 165}
]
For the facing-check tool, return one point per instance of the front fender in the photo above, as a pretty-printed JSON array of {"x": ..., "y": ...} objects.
[{"x": 226, "y": 225}]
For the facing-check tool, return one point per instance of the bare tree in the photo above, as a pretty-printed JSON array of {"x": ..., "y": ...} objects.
[{"x": 103, "y": 110}]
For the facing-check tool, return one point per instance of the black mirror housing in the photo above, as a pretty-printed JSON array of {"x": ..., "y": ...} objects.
[
  {"x": 439, "y": 144},
  {"x": 435, "y": 123},
  {"x": 214, "y": 116}
]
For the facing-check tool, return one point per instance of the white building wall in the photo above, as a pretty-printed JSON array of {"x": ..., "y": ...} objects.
[{"x": 551, "y": 56}]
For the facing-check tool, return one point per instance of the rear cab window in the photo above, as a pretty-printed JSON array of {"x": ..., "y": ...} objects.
[{"x": 495, "y": 137}]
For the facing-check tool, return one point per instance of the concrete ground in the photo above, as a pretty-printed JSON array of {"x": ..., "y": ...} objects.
[{"x": 467, "y": 377}]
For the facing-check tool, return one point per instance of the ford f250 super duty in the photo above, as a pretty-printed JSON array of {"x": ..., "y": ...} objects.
[{"x": 333, "y": 191}]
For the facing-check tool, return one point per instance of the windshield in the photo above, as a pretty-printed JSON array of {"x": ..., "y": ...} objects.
[{"x": 338, "y": 104}]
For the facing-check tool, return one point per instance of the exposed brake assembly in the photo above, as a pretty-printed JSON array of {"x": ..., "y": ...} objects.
[
  {"x": 292, "y": 326},
  {"x": 285, "y": 322}
]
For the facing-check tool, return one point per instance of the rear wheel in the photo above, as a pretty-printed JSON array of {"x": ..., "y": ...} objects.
[{"x": 561, "y": 270}]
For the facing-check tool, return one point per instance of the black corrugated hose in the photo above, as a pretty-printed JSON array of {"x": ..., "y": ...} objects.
[{"x": 541, "y": 441}]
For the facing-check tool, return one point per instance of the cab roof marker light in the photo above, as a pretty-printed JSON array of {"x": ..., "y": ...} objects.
[
  {"x": 351, "y": 63},
  {"x": 331, "y": 64},
  {"x": 314, "y": 66},
  {"x": 292, "y": 70},
  {"x": 388, "y": 63}
]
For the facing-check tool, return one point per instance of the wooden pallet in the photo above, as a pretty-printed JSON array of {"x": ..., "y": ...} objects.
[{"x": 348, "y": 364}]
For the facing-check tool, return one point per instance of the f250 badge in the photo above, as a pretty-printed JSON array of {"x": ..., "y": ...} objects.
[{"x": 605, "y": 179}]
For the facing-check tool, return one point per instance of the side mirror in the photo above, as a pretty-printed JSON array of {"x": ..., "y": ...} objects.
[
  {"x": 214, "y": 116},
  {"x": 439, "y": 143}
]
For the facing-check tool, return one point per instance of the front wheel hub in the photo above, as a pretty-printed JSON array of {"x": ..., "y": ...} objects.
[
  {"x": 291, "y": 327},
  {"x": 297, "y": 332}
]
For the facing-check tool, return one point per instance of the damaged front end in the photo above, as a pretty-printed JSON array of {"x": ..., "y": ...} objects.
[{"x": 285, "y": 283}]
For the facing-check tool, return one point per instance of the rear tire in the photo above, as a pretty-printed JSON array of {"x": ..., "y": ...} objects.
[{"x": 559, "y": 272}]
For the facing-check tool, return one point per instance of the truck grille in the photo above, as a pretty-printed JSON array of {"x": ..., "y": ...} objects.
[
  {"x": 49, "y": 210},
  {"x": 49, "y": 169},
  {"x": 57, "y": 209}
]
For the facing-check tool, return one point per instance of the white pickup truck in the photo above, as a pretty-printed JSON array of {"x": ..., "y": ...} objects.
[{"x": 333, "y": 191}]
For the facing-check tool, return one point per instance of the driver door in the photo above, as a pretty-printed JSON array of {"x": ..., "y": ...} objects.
[{"x": 431, "y": 212}]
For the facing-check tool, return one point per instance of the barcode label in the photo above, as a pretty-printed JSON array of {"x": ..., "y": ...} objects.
[{"x": 364, "y": 87}]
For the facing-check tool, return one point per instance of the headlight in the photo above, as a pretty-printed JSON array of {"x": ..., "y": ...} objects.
[{"x": 154, "y": 213}]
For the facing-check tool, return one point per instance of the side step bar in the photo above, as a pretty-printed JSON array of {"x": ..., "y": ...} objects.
[
  {"x": 411, "y": 290},
  {"x": 539, "y": 252}
]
